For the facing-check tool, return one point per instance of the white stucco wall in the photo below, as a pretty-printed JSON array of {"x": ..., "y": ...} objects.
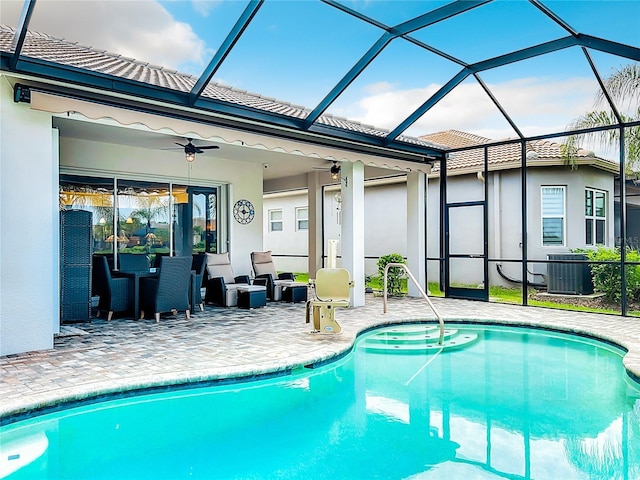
[
  {"x": 385, "y": 225},
  {"x": 244, "y": 179},
  {"x": 505, "y": 219},
  {"x": 31, "y": 157},
  {"x": 29, "y": 312}
]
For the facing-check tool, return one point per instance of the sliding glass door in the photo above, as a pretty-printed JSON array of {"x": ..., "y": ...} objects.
[{"x": 145, "y": 217}]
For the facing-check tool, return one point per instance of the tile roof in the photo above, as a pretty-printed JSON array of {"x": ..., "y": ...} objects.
[
  {"x": 45, "y": 47},
  {"x": 508, "y": 154}
]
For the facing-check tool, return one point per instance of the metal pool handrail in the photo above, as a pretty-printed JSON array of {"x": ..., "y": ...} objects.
[{"x": 424, "y": 295}]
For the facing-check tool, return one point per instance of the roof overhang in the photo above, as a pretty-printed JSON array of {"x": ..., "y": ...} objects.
[{"x": 186, "y": 122}]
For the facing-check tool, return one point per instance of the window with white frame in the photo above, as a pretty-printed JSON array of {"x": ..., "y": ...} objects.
[
  {"x": 553, "y": 215},
  {"x": 595, "y": 216},
  {"x": 302, "y": 218},
  {"x": 275, "y": 220}
]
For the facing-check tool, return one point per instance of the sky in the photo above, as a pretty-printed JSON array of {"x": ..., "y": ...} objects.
[{"x": 296, "y": 50}]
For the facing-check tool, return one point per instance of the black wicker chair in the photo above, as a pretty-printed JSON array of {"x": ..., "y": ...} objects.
[
  {"x": 133, "y": 262},
  {"x": 158, "y": 257},
  {"x": 198, "y": 266},
  {"x": 115, "y": 290},
  {"x": 169, "y": 291}
]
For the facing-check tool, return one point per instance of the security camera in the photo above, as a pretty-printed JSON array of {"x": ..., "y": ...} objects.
[{"x": 265, "y": 165}]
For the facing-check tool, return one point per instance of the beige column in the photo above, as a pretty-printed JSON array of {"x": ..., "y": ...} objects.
[{"x": 314, "y": 194}]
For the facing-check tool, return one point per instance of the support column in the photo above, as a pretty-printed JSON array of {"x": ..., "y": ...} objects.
[
  {"x": 353, "y": 227},
  {"x": 314, "y": 194},
  {"x": 29, "y": 273},
  {"x": 416, "y": 248}
]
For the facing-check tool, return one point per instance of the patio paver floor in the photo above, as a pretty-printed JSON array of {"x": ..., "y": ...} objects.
[{"x": 99, "y": 357}]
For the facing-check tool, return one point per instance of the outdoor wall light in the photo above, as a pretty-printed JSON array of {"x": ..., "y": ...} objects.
[{"x": 335, "y": 172}]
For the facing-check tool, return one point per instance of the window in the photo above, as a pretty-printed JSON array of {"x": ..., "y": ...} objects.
[
  {"x": 302, "y": 218},
  {"x": 275, "y": 220},
  {"x": 595, "y": 216},
  {"x": 553, "y": 214}
]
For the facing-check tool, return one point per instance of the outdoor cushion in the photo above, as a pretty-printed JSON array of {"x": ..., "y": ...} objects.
[
  {"x": 219, "y": 265},
  {"x": 263, "y": 263}
]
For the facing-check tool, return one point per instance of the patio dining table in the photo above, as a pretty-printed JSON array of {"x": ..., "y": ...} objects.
[{"x": 136, "y": 275}]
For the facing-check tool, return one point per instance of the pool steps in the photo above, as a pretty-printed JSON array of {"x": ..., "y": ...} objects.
[{"x": 416, "y": 339}]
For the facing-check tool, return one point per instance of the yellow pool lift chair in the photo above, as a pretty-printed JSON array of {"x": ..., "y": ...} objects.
[{"x": 331, "y": 289}]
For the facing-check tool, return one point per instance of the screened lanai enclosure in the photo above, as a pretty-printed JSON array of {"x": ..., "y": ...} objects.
[{"x": 523, "y": 115}]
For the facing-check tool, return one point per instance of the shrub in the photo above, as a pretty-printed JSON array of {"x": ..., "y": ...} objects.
[
  {"x": 607, "y": 278},
  {"x": 394, "y": 284}
]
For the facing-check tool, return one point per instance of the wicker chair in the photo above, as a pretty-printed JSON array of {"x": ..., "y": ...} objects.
[
  {"x": 198, "y": 267},
  {"x": 169, "y": 291},
  {"x": 115, "y": 290},
  {"x": 133, "y": 262},
  {"x": 220, "y": 281},
  {"x": 265, "y": 274}
]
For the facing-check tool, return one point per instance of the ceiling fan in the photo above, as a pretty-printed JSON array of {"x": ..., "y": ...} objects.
[
  {"x": 333, "y": 169},
  {"x": 190, "y": 149}
]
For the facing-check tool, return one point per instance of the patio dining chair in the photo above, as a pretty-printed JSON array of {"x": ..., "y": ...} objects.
[
  {"x": 220, "y": 281},
  {"x": 133, "y": 262},
  {"x": 169, "y": 290},
  {"x": 266, "y": 274},
  {"x": 198, "y": 268},
  {"x": 115, "y": 290}
]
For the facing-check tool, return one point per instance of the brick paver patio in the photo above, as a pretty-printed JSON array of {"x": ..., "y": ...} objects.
[{"x": 99, "y": 357}]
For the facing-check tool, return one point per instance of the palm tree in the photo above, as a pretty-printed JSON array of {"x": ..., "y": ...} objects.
[{"x": 624, "y": 87}]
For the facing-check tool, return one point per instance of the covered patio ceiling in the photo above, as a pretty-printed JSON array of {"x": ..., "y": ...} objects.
[{"x": 372, "y": 76}]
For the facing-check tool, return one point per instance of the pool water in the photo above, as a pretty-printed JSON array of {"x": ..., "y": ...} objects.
[{"x": 514, "y": 403}]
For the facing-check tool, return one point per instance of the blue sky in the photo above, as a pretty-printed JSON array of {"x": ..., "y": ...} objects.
[{"x": 296, "y": 50}]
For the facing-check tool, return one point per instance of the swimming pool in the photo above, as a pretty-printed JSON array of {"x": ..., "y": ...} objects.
[{"x": 513, "y": 402}]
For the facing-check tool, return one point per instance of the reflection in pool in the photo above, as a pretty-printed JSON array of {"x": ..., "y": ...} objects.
[{"x": 513, "y": 404}]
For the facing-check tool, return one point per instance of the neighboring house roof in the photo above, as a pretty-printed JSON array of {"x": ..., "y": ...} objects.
[
  {"x": 48, "y": 48},
  {"x": 539, "y": 153}
]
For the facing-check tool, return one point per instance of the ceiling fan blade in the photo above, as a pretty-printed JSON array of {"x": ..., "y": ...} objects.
[
  {"x": 208, "y": 147},
  {"x": 183, "y": 146}
]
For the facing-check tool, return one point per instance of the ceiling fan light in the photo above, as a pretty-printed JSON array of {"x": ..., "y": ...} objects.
[{"x": 190, "y": 156}]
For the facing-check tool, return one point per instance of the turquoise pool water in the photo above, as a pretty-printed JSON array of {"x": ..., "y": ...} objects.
[{"x": 512, "y": 404}]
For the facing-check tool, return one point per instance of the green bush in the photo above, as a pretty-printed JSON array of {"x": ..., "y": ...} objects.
[
  {"x": 607, "y": 278},
  {"x": 395, "y": 275}
]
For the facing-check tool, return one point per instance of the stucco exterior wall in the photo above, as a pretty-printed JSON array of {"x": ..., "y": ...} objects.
[
  {"x": 32, "y": 155},
  {"x": 385, "y": 225},
  {"x": 505, "y": 220},
  {"x": 29, "y": 305},
  {"x": 244, "y": 179}
]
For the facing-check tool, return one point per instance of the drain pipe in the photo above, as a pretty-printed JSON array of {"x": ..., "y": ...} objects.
[{"x": 420, "y": 289}]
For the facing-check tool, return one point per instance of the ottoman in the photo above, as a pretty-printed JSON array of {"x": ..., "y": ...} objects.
[
  {"x": 252, "y": 296},
  {"x": 295, "y": 292}
]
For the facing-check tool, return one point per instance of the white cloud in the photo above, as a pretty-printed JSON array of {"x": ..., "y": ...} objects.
[
  {"x": 140, "y": 29},
  {"x": 537, "y": 106},
  {"x": 204, "y": 7}
]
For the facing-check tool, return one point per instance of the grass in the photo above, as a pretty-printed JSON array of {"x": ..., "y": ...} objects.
[
  {"x": 496, "y": 294},
  {"x": 500, "y": 294}
]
